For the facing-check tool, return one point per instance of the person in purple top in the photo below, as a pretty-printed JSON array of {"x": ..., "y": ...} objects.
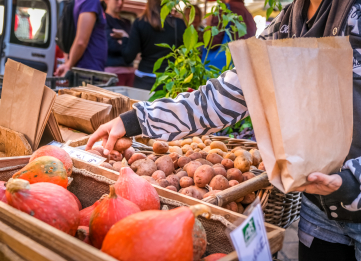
[{"x": 89, "y": 49}]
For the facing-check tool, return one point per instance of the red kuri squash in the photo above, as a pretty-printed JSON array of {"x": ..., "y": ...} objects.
[
  {"x": 44, "y": 169},
  {"x": 45, "y": 201},
  {"x": 86, "y": 213},
  {"x": 136, "y": 189},
  {"x": 82, "y": 234},
  {"x": 214, "y": 257},
  {"x": 55, "y": 152},
  {"x": 110, "y": 210},
  {"x": 77, "y": 201},
  {"x": 154, "y": 235},
  {"x": 2, "y": 191}
]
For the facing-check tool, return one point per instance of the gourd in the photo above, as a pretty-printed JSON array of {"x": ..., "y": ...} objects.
[
  {"x": 2, "y": 191},
  {"x": 85, "y": 214}
]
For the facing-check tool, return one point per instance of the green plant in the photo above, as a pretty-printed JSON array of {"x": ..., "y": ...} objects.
[
  {"x": 273, "y": 4},
  {"x": 185, "y": 70}
]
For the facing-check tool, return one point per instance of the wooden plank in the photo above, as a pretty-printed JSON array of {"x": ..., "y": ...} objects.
[
  {"x": 6, "y": 254},
  {"x": 13, "y": 143},
  {"x": 26, "y": 247},
  {"x": 13, "y": 161},
  {"x": 68, "y": 247},
  {"x": 110, "y": 174}
]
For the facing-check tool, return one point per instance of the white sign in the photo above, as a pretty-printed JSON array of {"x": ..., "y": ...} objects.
[
  {"x": 55, "y": 143},
  {"x": 84, "y": 155},
  {"x": 250, "y": 238}
]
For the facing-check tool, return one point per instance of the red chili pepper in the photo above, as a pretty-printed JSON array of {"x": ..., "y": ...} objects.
[{"x": 190, "y": 90}]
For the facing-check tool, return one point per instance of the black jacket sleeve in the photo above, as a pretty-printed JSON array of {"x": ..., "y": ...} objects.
[{"x": 131, "y": 46}]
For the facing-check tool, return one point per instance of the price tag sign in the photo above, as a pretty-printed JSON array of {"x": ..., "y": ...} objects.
[
  {"x": 84, "y": 155},
  {"x": 250, "y": 238},
  {"x": 55, "y": 143}
]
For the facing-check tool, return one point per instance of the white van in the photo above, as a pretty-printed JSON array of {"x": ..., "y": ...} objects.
[{"x": 27, "y": 33}]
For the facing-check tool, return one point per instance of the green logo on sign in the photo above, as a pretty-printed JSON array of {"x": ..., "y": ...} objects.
[{"x": 249, "y": 232}]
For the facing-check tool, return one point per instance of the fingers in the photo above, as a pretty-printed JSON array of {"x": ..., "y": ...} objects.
[
  {"x": 112, "y": 139},
  {"x": 318, "y": 177},
  {"x": 99, "y": 134}
]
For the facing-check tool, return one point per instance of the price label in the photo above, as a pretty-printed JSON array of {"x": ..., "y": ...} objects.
[
  {"x": 55, "y": 143},
  {"x": 250, "y": 238},
  {"x": 84, "y": 155}
]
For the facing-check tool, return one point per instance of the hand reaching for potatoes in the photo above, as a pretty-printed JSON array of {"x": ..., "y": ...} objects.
[{"x": 109, "y": 133}]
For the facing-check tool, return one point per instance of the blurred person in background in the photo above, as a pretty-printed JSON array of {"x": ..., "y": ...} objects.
[
  {"x": 89, "y": 49},
  {"x": 197, "y": 22},
  {"x": 115, "y": 61},
  {"x": 146, "y": 32}
]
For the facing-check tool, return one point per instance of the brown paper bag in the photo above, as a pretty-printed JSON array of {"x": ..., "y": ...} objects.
[{"x": 299, "y": 96}]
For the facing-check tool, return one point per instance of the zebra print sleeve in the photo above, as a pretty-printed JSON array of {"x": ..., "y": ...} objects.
[
  {"x": 212, "y": 107},
  {"x": 354, "y": 165}
]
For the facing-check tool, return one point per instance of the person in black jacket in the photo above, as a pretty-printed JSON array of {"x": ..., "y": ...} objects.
[
  {"x": 115, "y": 61},
  {"x": 146, "y": 32}
]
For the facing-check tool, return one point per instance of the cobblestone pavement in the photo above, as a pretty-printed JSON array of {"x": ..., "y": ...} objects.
[{"x": 289, "y": 251}]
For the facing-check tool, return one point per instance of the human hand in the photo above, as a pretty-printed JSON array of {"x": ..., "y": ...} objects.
[
  {"x": 62, "y": 70},
  {"x": 109, "y": 133},
  {"x": 119, "y": 34},
  {"x": 321, "y": 184}
]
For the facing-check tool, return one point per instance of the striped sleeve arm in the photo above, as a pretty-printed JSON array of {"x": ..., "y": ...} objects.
[{"x": 218, "y": 104}]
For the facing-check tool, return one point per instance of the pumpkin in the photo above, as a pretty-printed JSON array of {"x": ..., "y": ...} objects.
[
  {"x": 199, "y": 240},
  {"x": 214, "y": 257},
  {"x": 56, "y": 152},
  {"x": 44, "y": 169},
  {"x": 86, "y": 213},
  {"x": 47, "y": 202},
  {"x": 136, "y": 189},
  {"x": 154, "y": 235},
  {"x": 110, "y": 210},
  {"x": 77, "y": 201},
  {"x": 82, "y": 234},
  {"x": 2, "y": 191}
]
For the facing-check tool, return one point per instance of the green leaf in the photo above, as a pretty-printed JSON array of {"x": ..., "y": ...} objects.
[
  {"x": 279, "y": 6},
  {"x": 164, "y": 13},
  {"x": 191, "y": 15},
  {"x": 164, "y": 2},
  {"x": 269, "y": 12},
  {"x": 190, "y": 37},
  {"x": 241, "y": 28},
  {"x": 183, "y": 71},
  {"x": 162, "y": 78},
  {"x": 157, "y": 64},
  {"x": 223, "y": 6},
  {"x": 198, "y": 45},
  {"x": 214, "y": 31},
  {"x": 228, "y": 57},
  {"x": 206, "y": 37},
  {"x": 229, "y": 35},
  {"x": 169, "y": 86},
  {"x": 225, "y": 20},
  {"x": 208, "y": 14},
  {"x": 188, "y": 79},
  {"x": 158, "y": 95},
  {"x": 163, "y": 45}
]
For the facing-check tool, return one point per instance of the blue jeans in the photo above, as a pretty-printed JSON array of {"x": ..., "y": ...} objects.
[{"x": 315, "y": 223}]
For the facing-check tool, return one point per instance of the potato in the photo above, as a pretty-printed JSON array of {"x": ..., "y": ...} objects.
[
  {"x": 233, "y": 183},
  {"x": 152, "y": 157},
  {"x": 240, "y": 208},
  {"x": 231, "y": 206},
  {"x": 194, "y": 145},
  {"x": 242, "y": 164},
  {"x": 235, "y": 174},
  {"x": 245, "y": 154},
  {"x": 135, "y": 157},
  {"x": 186, "y": 142},
  {"x": 99, "y": 149},
  {"x": 256, "y": 157},
  {"x": 217, "y": 151},
  {"x": 230, "y": 156},
  {"x": 178, "y": 170},
  {"x": 186, "y": 182},
  {"x": 201, "y": 145},
  {"x": 175, "y": 164},
  {"x": 204, "y": 154},
  {"x": 115, "y": 157},
  {"x": 163, "y": 183},
  {"x": 205, "y": 137},
  {"x": 172, "y": 188},
  {"x": 175, "y": 143},
  {"x": 227, "y": 163},
  {"x": 160, "y": 147},
  {"x": 220, "y": 171},
  {"x": 191, "y": 192},
  {"x": 197, "y": 150},
  {"x": 176, "y": 149},
  {"x": 197, "y": 140},
  {"x": 219, "y": 182},
  {"x": 210, "y": 193},
  {"x": 204, "y": 162},
  {"x": 151, "y": 142},
  {"x": 122, "y": 144},
  {"x": 207, "y": 149},
  {"x": 158, "y": 174},
  {"x": 195, "y": 155},
  {"x": 186, "y": 148},
  {"x": 240, "y": 200},
  {"x": 189, "y": 152},
  {"x": 174, "y": 181},
  {"x": 117, "y": 166},
  {"x": 261, "y": 166},
  {"x": 201, "y": 191},
  {"x": 219, "y": 145},
  {"x": 111, "y": 162},
  {"x": 150, "y": 180},
  {"x": 236, "y": 148},
  {"x": 214, "y": 158},
  {"x": 191, "y": 168},
  {"x": 95, "y": 152},
  {"x": 218, "y": 165},
  {"x": 128, "y": 153},
  {"x": 248, "y": 175},
  {"x": 144, "y": 167},
  {"x": 174, "y": 156},
  {"x": 249, "y": 198},
  {"x": 203, "y": 175},
  {"x": 182, "y": 174},
  {"x": 165, "y": 163},
  {"x": 207, "y": 142},
  {"x": 182, "y": 161},
  {"x": 107, "y": 165},
  {"x": 180, "y": 191}
]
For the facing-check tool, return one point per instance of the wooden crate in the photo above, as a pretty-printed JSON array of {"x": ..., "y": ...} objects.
[{"x": 71, "y": 248}]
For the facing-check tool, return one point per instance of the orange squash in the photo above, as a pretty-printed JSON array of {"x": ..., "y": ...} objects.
[
  {"x": 199, "y": 240},
  {"x": 86, "y": 213},
  {"x": 110, "y": 210},
  {"x": 44, "y": 169},
  {"x": 47, "y": 202},
  {"x": 56, "y": 152},
  {"x": 136, "y": 189},
  {"x": 154, "y": 235}
]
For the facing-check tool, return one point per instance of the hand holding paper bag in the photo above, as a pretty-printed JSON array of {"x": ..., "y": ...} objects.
[{"x": 299, "y": 95}]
